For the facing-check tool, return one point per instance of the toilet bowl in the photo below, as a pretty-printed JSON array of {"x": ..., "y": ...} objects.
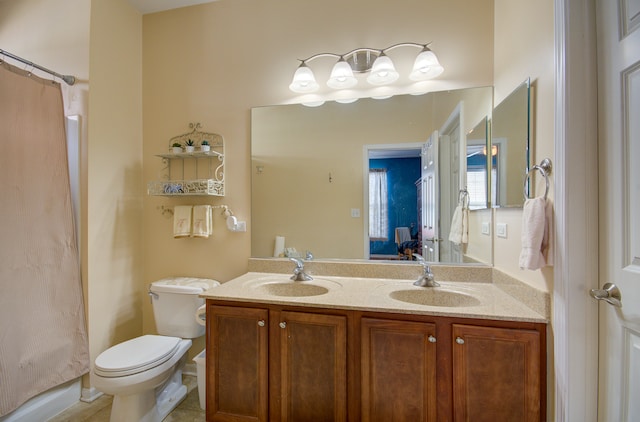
[{"x": 144, "y": 374}]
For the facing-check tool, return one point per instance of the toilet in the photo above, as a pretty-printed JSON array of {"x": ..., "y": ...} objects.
[{"x": 144, "y": 374}]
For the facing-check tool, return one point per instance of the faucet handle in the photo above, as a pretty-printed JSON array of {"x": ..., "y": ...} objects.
[
  {"x": 299, "y": 263},
  {"x": 423, "y": 262}
]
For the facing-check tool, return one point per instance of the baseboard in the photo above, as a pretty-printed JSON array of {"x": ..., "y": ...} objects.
[
  {"x": 189, "y": 369},
  {"x": 90, "y": 394}
]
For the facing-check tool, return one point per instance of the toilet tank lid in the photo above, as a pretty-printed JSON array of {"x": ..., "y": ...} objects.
[{"x": 183, "y": 285}]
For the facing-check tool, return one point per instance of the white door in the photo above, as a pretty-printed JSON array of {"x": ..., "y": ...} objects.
[
  {"x": 618, "y": 48},
  {"x": 430, "y": 194},
  {"x": 450, "y": 149}
]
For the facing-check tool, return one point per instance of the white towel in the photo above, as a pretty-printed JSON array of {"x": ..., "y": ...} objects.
[
  {"x": 402, "y": 235},
  {"x": 202, "y": 221},
  {"x": 459, "y": 232},
  {"x": 182, "y": 221},
  {"x": 537, "y": 231}
]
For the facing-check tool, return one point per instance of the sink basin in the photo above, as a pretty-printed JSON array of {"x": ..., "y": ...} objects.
[
  {"x": 434, "y": 297},
  {"x": 282, "y": 285},
  {"x": 292, "y": 289}
]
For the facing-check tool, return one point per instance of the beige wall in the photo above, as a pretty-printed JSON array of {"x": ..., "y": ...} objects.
[
  {"x": 115, "y": 185},
  {"x": 55, "y": 34},
  {"x": 524, "y": 47}
]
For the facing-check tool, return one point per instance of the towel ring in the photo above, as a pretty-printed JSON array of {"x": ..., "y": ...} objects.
[
  {"x": 463, "y": 197},
  {"x": 545, "y": 169}
]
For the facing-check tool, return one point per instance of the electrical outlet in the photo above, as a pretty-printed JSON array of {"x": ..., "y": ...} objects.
[
  {"x": 501, "y": 230},
  {"x": 486, "y": 228}
]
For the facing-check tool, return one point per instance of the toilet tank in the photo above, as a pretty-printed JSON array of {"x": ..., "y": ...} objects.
[{"x": 175, "y": 301}]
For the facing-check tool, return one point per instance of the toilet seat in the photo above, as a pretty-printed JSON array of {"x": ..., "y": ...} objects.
[{"x": 135, "y": 355}]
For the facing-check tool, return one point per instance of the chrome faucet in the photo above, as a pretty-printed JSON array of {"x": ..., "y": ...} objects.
[
  {"x": 298, "y": 271},
  {"x": 427, "y": 279}
]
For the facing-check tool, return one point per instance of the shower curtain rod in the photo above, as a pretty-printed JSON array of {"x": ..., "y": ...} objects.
[{"x": 70, "y": 80}]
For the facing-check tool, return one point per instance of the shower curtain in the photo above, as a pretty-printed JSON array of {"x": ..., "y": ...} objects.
[{"x": 43, "y": 338}]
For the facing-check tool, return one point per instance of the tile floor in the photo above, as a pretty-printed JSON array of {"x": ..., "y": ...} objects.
[{"x": 100, "y": 410}]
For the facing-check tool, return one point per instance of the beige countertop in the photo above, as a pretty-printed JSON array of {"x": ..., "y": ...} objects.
[{"x": 484, "y": 300}]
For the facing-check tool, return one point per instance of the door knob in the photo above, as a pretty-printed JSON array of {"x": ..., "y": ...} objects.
[{"x": 609, "y": 293}]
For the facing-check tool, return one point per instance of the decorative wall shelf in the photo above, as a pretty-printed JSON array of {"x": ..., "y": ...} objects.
[{"x": 192, "y": 173}]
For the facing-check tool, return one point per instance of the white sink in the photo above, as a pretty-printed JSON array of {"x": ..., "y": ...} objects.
[
  {"x": 280, "y": 285},
  {"x": 433, "y": 296}
]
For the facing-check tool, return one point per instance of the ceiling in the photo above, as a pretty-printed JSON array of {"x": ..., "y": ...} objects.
[{"x": 152, "y": 6}]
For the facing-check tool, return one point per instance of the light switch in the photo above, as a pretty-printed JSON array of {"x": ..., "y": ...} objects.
[
  {"x": 355, "y": 212},
  {"x": 501, "y": 230},
  {"x": 486, "y": 228}
]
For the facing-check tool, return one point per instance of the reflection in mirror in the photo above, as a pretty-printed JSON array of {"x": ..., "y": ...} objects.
[
  {"x": 478, "y": 178},
  {"x": 510, "y": 142},
  {"x": 308, "y": 172}
]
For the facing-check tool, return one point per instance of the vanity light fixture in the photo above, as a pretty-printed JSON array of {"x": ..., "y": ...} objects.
[{"x": 366, "y": 60}]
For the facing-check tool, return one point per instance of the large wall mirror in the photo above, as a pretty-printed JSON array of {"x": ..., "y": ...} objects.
[
  {"x": 311, "y": 165},
  {"x": 510, "y": 130}
]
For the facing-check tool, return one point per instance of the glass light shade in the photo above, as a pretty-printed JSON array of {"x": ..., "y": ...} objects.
[
  {"x": 341, "y": 76},
  {"x": 346, "y": 100},
  {"x": 426, "y": 66},
  {"x": 383, "y": 71},
  {"x": 303, "y": 80}
]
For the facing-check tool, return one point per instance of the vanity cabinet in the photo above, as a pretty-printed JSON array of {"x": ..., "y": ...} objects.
[
  {"x": 398, "y": 364},
  {"x": 237, "y": 363},
  {"x": 497, "y": 374},
  {"x": 271, "y": 362},
  {"x": 275, "y": 365}
]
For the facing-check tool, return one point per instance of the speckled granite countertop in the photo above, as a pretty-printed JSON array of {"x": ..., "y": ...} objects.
[{"x": 484, "y": 300}]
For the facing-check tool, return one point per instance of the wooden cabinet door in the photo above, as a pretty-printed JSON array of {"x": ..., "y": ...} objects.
[
  {"x": 496, "y": 374},
  {"x": 313, "y": 367},
  {"x": 237, "y": 364},
  {"x": 398, "y": 364}
]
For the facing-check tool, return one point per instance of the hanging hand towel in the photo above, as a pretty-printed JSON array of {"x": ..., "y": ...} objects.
[
  {"x": 202, "y": 221},
  {"x": 465, "y": 225},
  {"x": 182, "y": 221},
  {"x": 457, "y": 226},
  {"x": 536, "y": 231},
  {"x": 547, "y": 239}
]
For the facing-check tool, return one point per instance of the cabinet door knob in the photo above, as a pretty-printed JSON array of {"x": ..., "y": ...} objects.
[
  {"x": 459, "y": 340},
  {"x": 283, "y": 324},
  {"x": 261, "y": 323},
  {"x": 432, "y": 339}
]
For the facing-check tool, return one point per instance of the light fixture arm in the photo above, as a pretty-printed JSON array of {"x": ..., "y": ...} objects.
[
  {"x": 365, "y": 49},
  {"x": 406, "y": 44},
  {"x": 315, "y": 56}
]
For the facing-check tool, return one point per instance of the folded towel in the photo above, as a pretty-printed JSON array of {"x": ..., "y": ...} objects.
[
  {"x": 536, "y": 234},
  {"x": 182, "y": 221},
  {"x": 459, "y": 232},
  {"x": 202, "y": 221},
  {"x": 402, "y": 235}
]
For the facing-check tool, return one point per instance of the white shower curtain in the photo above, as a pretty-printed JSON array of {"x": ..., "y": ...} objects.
[{"x": 43, "y": 338}]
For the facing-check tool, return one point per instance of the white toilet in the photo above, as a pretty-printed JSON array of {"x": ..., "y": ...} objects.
[{"x": 144, "y": 374}]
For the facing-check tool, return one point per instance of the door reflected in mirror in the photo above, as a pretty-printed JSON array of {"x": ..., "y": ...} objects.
[{"x": 308, "y": 171}]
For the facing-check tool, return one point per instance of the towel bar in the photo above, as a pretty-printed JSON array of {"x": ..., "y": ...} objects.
[{"x": 544, "y": 168}]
